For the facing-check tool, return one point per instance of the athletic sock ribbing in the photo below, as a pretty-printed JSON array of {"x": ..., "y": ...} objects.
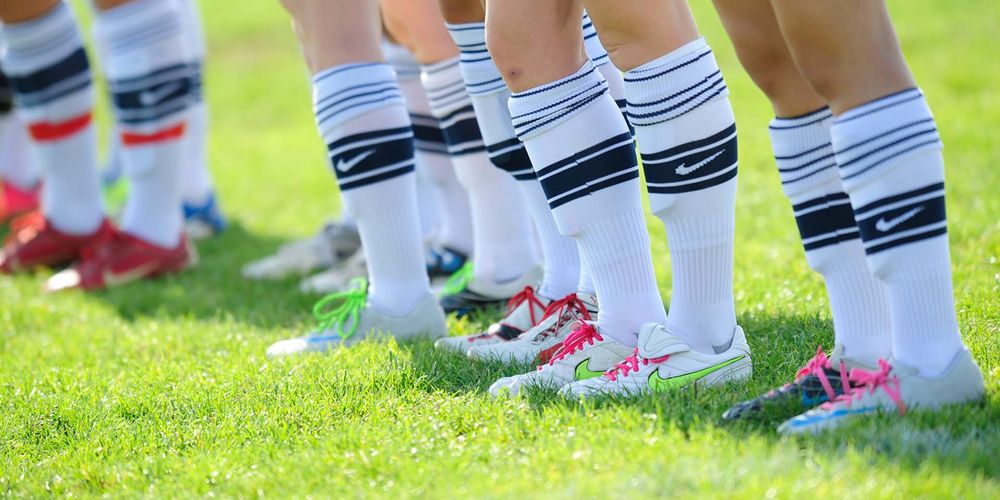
[
  {"x": 501, "y": 225},
  {"x": 427, "y": 136},
  {"x": 584, "y": 157},
  {"x": 149, "y": 68},
  {"x": 560, "y": 253},
  {"x": 889, "y": 155},
  {"x": 361, "y": 117},
  {"x": 809, "y": 178},
  {"x": 687, "y": 135},
  {"x": 50, "y": 78}
]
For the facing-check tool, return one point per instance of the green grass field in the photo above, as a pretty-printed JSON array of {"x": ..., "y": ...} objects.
[{"x": 162, "y": 389}]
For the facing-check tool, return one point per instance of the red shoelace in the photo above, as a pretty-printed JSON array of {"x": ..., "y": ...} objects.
[
  {"x": 575, "y": 341},
  {"x": 562, "y": 308},
  {"x": 817, "y": 366},
  {"x": 526, "y": 295},
  {"x": 631, "y": 364},
  {"x": 869, "y": 381}
]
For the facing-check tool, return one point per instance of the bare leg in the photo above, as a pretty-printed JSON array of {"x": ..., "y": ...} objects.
[{"x": 850, "y": 57}]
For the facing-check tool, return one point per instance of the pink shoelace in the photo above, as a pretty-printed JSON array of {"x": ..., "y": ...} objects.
[
  {"x": 575, "y": 341},
  {"x": 817, "y": 366},
  {"x": 562, "y": 308},
  {"x": 866, "y": 381},
  {"x": 526, "y": 295},
  {"x": 631, "y": 364}
]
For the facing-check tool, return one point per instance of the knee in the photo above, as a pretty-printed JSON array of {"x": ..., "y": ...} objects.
[{"x": 507, "y": 52}]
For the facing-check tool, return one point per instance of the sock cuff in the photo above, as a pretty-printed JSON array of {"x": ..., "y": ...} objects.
[
  {"x": 541, "y": 108},
  {"x": 402, "y": 61},
  {"x": 344, "y": 92},
  {"x": 803, "y": 151},
  {"x": 592, "y": 43},
  {"x": 444, "y": 87},
  {"x": 874, "y": 137},
  {"x": 673, "y": 85},
  {"x": 138, "y": 24},
  {"x": 479, "y": 72},
  {"x": 41, "y": 42}
]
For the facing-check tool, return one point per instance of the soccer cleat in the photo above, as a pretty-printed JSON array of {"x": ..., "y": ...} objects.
[
  {"x": 205, "y": 220},
  {"x": 545, "y": 338},
  {"x": 336, "y": 278},
  {"x": 15, "y": 201},
  {"x": 479, "y": 294},
  {"x": 584, "y": 354},
  {"x": 34, "y": 242},
  {"x": 121, "y": 259},
  {"x": 524, "y": 311},
  {"x": 333, "y": 243},
  {"x": 664, "y": 362},
  {"x": 893, "y": 388},
  {"x": 346, "y": 318},
  {"x": 822, "y": 379},
  {"x": 443, "y": 262}
]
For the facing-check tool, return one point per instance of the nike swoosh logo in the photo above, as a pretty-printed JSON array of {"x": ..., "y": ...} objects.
[
  {"x": 112, "y": 278},
  {"x": 584, "y": 372},
  {"x": 346, "y": 165},
  {"x": 684, "y": 170},
  {"x": 658, "y": 383},
  {"x": 885, "y": 225},
  {"x": 152, "y": 97}
]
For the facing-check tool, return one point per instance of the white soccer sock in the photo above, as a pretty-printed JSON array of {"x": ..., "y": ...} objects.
[
  {"x": 830, "y": 236},
  {"x": 599, "y": 55},
  {"x": 196, "y": 184},
  {"x": 150, "y": 77},
  {"x": 501, "y": 226},
  {"x": 561, "y": 261},
  {"x": 51, "y": 79},
  {"x": 361, "y": 116},
  {"x": 687, "y": 135},
  {"x": 584, "y": 157},
  {"x": 408, "y": 74},
  {"x": 889, "y": 154},
  {"x": 17, "y": 163}
]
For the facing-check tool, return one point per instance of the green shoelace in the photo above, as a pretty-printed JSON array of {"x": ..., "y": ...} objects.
[
  {"x": 458, "y": 280},
  {"x": 335, "y": 310}
]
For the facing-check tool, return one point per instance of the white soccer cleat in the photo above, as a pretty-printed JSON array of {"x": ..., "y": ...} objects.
[
  {"x": 524, "y": 310},
  {"x": 336, "y": 278},
  {"x": 333, "y": 243},
  {"x": 893, "y": 388},
  {"x": 541, "y": 341},
  {"x": 584, "y": 354},
  {"x": 664, "y": 362},
  {"x": 347, "y": 318}
]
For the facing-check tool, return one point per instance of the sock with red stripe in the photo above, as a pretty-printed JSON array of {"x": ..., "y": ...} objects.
[
  {"x": 50, "y": 76},
  {"x": 148, "y": 64},
  {"x": 686, "y": 131}
]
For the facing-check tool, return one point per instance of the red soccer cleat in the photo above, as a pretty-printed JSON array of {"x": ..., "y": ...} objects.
[
  {"x": 121, "y": 259},
  {"x": 15, "y": 201},
  {"x": 34, "y": 242}
]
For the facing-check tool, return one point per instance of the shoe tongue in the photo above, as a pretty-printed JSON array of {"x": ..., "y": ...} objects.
[{"x": 655, "y": 341}]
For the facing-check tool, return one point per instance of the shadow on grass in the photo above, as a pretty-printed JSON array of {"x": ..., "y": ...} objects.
[
  {"x": 965, "y": 438},
  {"x": 215, "y": 289}
]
